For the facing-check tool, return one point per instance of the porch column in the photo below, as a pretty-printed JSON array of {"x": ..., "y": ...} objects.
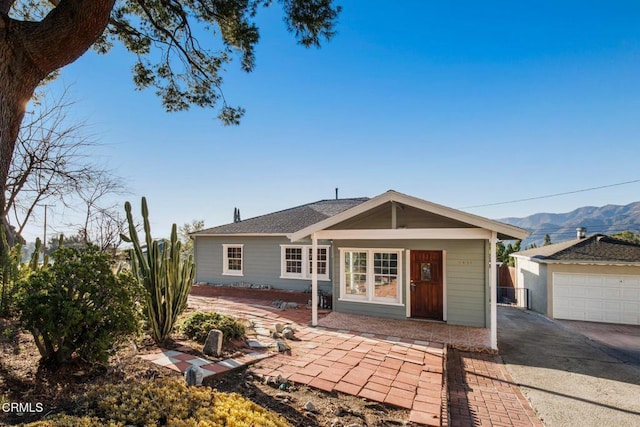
[
  {"x": 314, "y": 280},
  {"x": 493, "y": 291}
]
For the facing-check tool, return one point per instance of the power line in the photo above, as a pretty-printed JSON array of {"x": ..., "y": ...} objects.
[
  {"x": 552, "y": 195},
  {"x": 553, "y": 228}
]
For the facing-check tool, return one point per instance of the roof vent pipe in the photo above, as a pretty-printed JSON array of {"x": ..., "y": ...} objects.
[{"x": 581, "y": 232}]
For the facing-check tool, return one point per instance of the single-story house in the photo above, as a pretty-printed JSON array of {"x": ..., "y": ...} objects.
[
  {"x": 594, "y": 278},
  {"x": 394, "y": 256}
]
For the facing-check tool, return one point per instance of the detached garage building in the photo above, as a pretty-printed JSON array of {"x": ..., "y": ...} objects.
[{"x": 593, "y": 278}]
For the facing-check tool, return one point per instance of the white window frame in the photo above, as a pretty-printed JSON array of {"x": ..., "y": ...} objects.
[
  {"x": 306, "y": 263},
  {"x": 225, "y": 260},
  {"x": 370, "y": 297}
]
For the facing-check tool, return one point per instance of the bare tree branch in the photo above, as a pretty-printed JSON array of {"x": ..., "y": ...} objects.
[{"x": 53, "y": 162}]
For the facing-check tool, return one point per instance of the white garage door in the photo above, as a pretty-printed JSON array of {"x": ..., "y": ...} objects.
[{"x": 597, "y": 298}]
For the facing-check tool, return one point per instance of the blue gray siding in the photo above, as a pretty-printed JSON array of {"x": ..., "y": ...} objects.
[
  {"x": 466, "y": 272},
  {"x": 261, "y": 263},
  {"x": 465, "y": 275}
]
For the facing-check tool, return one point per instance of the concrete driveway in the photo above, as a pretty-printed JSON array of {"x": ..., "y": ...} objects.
[{"x": 569, "y": 379}]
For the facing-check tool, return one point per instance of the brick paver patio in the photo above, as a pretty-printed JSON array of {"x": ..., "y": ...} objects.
[
  {"x": 384, "y": 368},
  {"x": 392, "y": 370},
  {"x": 391, "y": 366}
]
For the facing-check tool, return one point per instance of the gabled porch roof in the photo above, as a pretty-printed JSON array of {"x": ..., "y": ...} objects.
[{"x": 474, "y": 226}]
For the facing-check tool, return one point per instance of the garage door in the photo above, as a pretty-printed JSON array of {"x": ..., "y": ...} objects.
[{"x": 597, "y": 298}]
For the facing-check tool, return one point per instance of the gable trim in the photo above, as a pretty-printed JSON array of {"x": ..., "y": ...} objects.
[
  {"x": 239, "y": 235},
  {"x": 393, "y": 196},
  {"x": 577, "y": 262},
  {"x": 405, "y": 234}
]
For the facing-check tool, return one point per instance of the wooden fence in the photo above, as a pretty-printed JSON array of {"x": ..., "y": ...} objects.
[{"x": 506, "y": 276}]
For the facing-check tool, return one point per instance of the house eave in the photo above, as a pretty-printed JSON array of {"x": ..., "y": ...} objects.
[
  {"x": 504, "y": 230},
  {"x": 579, "y": 262},
  {"x": 239, "y": 235},
  {"x": 404, "y": 234}
]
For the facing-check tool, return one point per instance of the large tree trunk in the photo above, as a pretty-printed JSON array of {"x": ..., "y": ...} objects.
[
  {"x": 29, "y": 51},
  {"x": 18, "y": 79}
]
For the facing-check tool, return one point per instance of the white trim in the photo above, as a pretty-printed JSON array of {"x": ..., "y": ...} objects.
[
  {"x": 225, "y": 259},
  {"x": 405, "y": 234},
  {"x": 306, "y": 252},
  {"x": 578, "y": 262},
  {"x": 393, "y": 196},
  {"x": 314, "y": 279},
  {"x": 493, "y": 283},
  {"x": 408, "y": 281},
  {"x": 444, "y": 286},
  {"x": 370, "y": 296},
  {"x": 377, "y": 302},
  {"x": 237, "y": 234}
]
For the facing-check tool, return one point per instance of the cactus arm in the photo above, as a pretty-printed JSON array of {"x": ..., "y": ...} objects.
[{"x": 166, "y": 278}]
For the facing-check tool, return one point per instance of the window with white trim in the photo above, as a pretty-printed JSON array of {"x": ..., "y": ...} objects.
[
  {"x": 293, "y": 261},
  {"x": 372, "y": 275},
  {"x": 296, "y": 262},
  {"x": 232, "y": 260},
  {"x": 321, "y": 258}
]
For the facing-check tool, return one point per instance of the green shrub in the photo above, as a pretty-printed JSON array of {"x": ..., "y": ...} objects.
[
  {"x": 198, "y": 325},
  {"x": 72, "y": 421},
  {"x": 78, "y": 306},
  {"x": 10, "y": 260},
  {"x": 167, "y": 402}
]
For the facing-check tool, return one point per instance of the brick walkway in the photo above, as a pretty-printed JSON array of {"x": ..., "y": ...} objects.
[
  {"x": 481, "y": 393},
  {"x": 390, "y": 369},
  {"x": 396, "y": 370}
]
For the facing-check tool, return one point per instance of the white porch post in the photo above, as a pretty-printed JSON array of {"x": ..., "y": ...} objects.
[
  {"x": 314, "y": 280},
  {"x": 493, "y": 291}
]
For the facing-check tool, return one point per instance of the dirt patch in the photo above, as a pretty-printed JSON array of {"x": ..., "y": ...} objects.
[
  {"x": 305, "y": 406},
  {"x": 266, "y": 296},
  {"x": 24, "y": 380}
]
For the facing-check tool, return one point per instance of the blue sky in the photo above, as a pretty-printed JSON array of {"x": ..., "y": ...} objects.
[{"x": 460, "y": 103}]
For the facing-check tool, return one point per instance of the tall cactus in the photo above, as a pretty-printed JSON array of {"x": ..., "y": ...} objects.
[{"x": 166, "y": 277}]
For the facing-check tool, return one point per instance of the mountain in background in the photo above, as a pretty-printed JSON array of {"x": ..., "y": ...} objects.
[{"x": 607, "y": 219}]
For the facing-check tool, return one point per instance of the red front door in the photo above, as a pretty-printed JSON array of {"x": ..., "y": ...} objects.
[{"x": 426, "y": 284}]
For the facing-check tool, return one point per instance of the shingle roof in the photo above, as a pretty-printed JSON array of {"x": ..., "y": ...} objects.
[
  {"x": 597, "y": 248},
  {"x": 288, "y": 220}
]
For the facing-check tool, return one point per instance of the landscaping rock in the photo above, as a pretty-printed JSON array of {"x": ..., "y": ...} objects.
[
  {"x": 193, "y": 375},
  {"x": 213, "y": 344},
  {"x": 288, "y": 332},
  {"x": 278, "y": 327},
  {"x": 341, "y": 411},
  {"x": 309, "y": 406},
  {"x": 256, "y": 344},
  {"x": 283, "y": 346}
]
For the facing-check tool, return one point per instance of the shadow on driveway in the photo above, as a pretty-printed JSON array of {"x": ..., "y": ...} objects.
[{"x": 568, "y": 378}]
